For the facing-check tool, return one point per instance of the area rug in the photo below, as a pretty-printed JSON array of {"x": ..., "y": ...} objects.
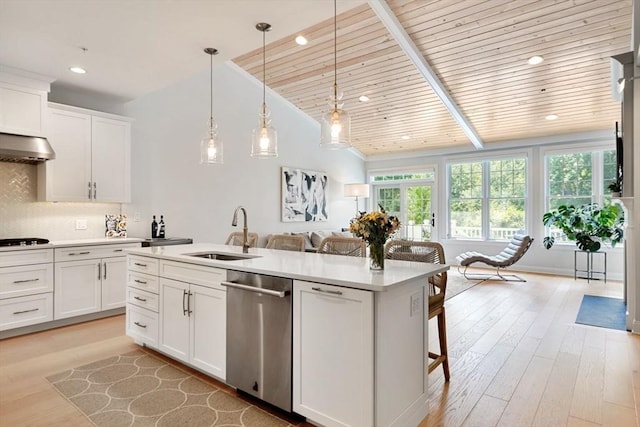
[
  {"x": 604, "y": 312},
  {"x": 457, "y": 284},
  {"x": 137, "y": 389}
]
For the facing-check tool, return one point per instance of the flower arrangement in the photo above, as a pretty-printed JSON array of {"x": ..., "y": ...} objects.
[{"x": 375, "y": 228}]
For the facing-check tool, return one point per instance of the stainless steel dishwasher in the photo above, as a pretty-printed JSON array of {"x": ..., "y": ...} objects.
[{"x": 259, "y": 336}]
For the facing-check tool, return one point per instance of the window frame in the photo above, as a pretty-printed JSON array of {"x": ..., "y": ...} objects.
[{"x": 525, "y": 155}]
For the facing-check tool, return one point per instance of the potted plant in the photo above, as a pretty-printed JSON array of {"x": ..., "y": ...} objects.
[
  {"x": 616, "y": 188},
  {"x": 589, "y": 225}
]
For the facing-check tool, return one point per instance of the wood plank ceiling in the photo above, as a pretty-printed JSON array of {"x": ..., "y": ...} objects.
[{"x": 478, "y": 50}]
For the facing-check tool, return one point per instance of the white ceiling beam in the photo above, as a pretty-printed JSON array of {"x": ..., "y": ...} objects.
[{"x": 389, "y": 19}]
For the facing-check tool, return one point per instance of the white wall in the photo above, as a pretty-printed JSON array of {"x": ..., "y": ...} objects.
[{"x": 198, "y": 201}]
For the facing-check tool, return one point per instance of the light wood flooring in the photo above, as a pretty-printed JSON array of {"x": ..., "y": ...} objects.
[{"x": 517, "y": 359}]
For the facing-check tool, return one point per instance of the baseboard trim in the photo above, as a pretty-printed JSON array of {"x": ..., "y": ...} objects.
[{"x": 59, "y": 323}]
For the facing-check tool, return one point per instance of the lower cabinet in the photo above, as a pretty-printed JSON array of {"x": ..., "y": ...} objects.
[
  {"x": 333, "y": 354},
  {"x": 89, "y": 279},
  {"x": 192, "y": 325},
  {"x": 143, "y": 300}
]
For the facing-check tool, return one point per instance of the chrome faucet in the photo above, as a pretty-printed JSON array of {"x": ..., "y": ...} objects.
[{"x": 245, "y": 230}]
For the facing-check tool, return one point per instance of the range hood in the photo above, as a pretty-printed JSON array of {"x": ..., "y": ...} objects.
[{"x": 25, "y": 149}]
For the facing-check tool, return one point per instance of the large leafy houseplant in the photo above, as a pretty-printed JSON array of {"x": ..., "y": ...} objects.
[{"x": 589, "y": 225}]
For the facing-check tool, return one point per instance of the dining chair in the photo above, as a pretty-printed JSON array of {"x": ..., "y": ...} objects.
[
  {"x": 340, "y": 245},
  {"x": 235, "y": 239},
  {"x": 286, "y": 242},
  {"x": 431, "y": 252}
]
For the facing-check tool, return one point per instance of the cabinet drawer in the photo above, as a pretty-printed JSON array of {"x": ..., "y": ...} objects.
[
  {"x": 25, "y": 257},
  {"x": 25, "y": 311},
  {"x": 26, "y": 280},
  {"x": 146, "y": 282},
  {"x": 142, "y": 325},
  {"x": 142, "y": 299},
  {"x": 191, "y": 273},
  {"x": 143, "y": 264},
  {"x": 75, "y": 253}
]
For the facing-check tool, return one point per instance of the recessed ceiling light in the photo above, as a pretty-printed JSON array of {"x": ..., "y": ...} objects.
[
  {"x": 405, "y": 137},
  {"x": 535, "y": 60},
  {"x": 551, "y": 117},
  {"x": 302, "y": 40},
  {"x": 363, "y": 98},
  {"x": 78, "y": 70}
]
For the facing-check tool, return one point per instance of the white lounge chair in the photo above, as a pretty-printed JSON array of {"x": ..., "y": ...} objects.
[{"x": 516, "y": 249}]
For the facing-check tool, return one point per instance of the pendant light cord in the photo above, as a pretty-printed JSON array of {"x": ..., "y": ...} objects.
[
  {"x": 264, "y": 79},
  {"x": 211, "y": 100},
  {"x": 335, "y": 55}
]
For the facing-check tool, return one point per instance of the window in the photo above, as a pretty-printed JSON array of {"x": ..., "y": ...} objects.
[
  {"x": 487, "y": 198},
  {"x": 578, "y": 177},
  {"x": 410, "y": 197}
]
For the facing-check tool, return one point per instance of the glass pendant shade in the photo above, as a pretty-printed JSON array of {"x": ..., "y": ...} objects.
[
  {"x": 335, "y": 126},
  {"x": 335, "y": 129},
  {"x": 211, "y": 148},
  {"x": 264, "y": 140}
]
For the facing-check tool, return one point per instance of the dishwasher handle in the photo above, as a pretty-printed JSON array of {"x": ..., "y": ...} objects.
[{"x": 279, "y": 294}]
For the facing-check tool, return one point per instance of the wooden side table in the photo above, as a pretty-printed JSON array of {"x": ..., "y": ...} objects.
[{"x": 589, "y": 271}]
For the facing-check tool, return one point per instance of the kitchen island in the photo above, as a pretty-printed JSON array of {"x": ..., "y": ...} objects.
[{"x": 359, "y": 351}]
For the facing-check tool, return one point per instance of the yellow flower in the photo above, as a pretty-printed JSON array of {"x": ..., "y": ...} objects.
[{"x": 374, "y": 227}]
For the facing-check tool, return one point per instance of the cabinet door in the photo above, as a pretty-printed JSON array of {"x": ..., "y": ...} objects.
[
  {"x": 333, "y": 354},
  {"x": 68, "y": 176},
  {"x": 110, "y": 163},
  {"x": 76, "y": 288},
  {"x": 174, "y": 318},
  {"x": 208, "y": 330},
  {"x": 114, "y": 282},
  {"x": 21, "y": 110}
]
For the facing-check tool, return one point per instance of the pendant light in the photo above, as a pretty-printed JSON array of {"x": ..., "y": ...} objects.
[
  {"x": 264, "y": 141},
  {"x": 335, "y": 127},
  {"x": 211, "y": 146}
]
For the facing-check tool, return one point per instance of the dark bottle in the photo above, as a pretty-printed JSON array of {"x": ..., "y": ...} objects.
[
  {"x": 161, "y": 227},
  {"x": 154, "y": 228}
]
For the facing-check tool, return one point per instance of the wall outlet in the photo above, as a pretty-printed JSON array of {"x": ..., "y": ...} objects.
[
  {"x": 415, "y": 304},
  {"x": 81, "y": 224},
  {"x": 136, "y": 217}
]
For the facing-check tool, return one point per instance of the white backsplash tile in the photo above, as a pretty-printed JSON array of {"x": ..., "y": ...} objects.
[{"x": 21, "y": 215}]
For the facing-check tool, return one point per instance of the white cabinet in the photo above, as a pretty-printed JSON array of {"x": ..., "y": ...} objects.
[
  {"x": 23, "y": 103},
  {"x": 193, "y": 324},
  {"x": 26, "y": 287},
  {"x": 143, "y": 300},
  {"x": 333, "y": 371},
  {"x": 92, "y": 157},
  {"x": 89, "y": 279}
]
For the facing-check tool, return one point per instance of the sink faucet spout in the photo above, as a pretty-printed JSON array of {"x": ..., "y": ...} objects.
[{"x": 245, "y": 230}]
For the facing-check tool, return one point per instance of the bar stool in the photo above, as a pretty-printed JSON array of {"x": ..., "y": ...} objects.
[{"x": 431, "y": 252}]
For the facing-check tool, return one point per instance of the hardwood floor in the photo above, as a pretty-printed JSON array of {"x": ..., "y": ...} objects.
[{"x": 517, "y": 359}]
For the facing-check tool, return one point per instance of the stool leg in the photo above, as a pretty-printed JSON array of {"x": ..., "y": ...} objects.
[{"x": 442, "y": 335}]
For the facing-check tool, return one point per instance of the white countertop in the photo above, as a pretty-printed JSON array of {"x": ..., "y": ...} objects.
[
  {"x": 77, "y": 242},
  {"x": 348, "y": 271}
]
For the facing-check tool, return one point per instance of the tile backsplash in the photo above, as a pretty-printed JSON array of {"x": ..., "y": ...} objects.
[{"x": 21, "y": 215}]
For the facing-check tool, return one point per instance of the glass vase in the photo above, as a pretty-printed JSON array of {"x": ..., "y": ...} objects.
[{"x": 376, "y": 256}]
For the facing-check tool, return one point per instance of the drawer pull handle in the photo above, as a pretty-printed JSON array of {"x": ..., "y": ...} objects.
[
  {"x": 139, "y": 264},
  {"x": 140, "y": 324},
  {"x": 26, "y": 311},
  {"x": 140, "y": 281},
  {"x": 140, "y": 299},
  {"x": 25, "y": 281},
  {"x": 79, "y": 253},
  {"x": 326, "y": 291},
  {"x": 118, "y": 250}
]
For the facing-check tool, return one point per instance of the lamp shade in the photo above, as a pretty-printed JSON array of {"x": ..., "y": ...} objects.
[{"x": 356, "y": 190}]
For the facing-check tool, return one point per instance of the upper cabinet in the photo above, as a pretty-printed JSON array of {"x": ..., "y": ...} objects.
[
  {"x": 93, "y": 157},
  {"x": 23, "y": 102}
]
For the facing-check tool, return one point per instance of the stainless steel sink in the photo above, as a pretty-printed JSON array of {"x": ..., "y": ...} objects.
[{"x": 221, "y": 256}]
